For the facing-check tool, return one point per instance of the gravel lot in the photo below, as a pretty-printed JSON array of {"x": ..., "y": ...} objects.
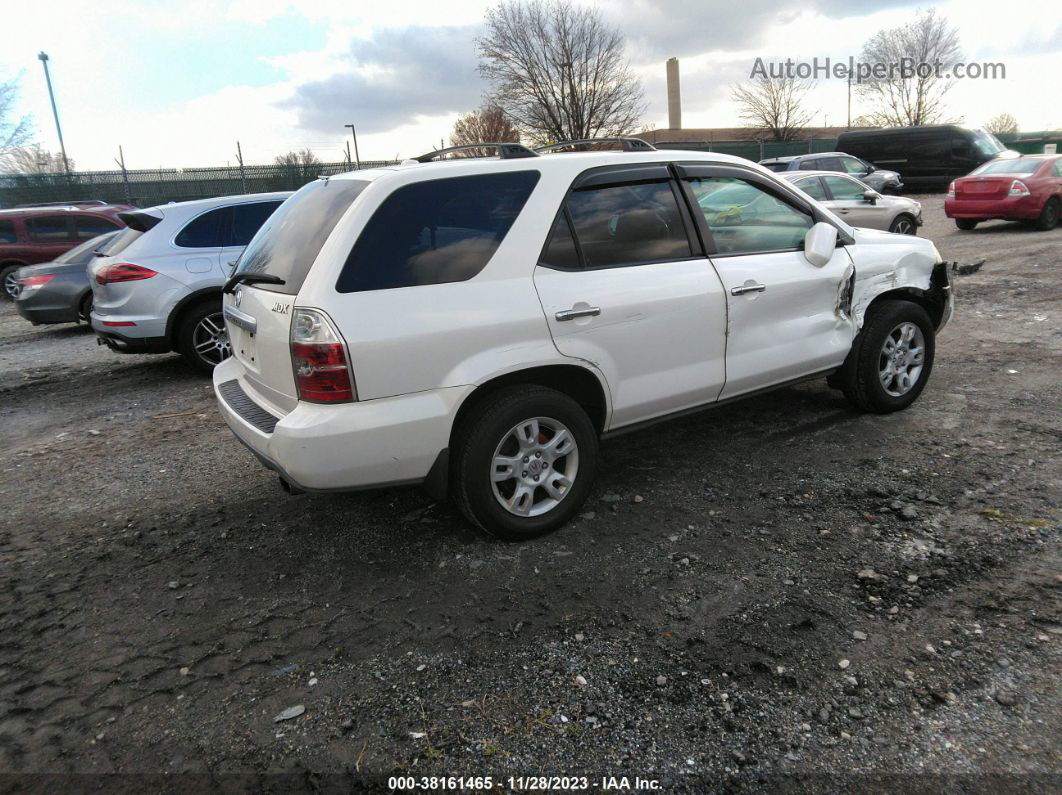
[{"x": 779, "y": 591}]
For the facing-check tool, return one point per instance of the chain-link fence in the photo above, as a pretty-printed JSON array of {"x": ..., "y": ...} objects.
[{"x": 148, "y": 187}]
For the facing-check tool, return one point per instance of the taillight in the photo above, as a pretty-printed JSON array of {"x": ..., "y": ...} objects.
[
  {"x": 951, "y": 190},
  {"x": 122, "y": 272},
  {"x": 319, "y": 359},
  {"x": 1018, "y": 188},
  {"x": 29, "y": 282}
]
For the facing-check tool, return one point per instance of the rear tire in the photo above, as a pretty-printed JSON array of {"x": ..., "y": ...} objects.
[
  {"x": 965, "y": 224},
  {"x": 9, "y": 282},
  {"x": 202, "y": 338},
  {"x": 523, "y": 426},
  {"x": 1048, "y": 219},
  {"x": 891, "y": 358},
  {"x": 904, "y": 224}
]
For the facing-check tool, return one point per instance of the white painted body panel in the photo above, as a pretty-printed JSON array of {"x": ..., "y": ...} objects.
[{"x": 660, "y": 339}]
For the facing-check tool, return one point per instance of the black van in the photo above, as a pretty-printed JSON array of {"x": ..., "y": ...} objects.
[{"x": 927, "y": 158}]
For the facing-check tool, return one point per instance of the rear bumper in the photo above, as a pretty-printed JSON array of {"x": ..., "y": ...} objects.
[
  {"x": 366, "y": 444},
  {"x": 122, "y": 344},
  {"x": 1016, "y": 208},
  {"x": 38, "y": 315}
]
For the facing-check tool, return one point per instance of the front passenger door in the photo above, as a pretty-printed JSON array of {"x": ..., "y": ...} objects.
[
  {"x": 784, "y": 318},
  {"x": 848, "y": 199}
]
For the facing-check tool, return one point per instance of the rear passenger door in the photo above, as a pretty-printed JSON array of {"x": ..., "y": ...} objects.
[
  {"x": 783, "y": 319},
  {"x": 625, "y": 286}
]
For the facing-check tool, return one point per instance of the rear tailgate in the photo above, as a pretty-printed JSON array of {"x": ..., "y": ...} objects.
[{"x": 259, "y": 323}]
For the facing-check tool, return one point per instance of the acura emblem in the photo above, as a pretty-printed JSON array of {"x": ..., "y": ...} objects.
[{"x": 239, "y": 296}]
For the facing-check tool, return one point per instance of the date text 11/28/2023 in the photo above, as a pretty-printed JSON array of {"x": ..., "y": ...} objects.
[{"x": 523, "y": 783}]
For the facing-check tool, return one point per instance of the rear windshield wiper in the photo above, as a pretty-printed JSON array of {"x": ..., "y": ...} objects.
[{"x": 251, "y": 278}]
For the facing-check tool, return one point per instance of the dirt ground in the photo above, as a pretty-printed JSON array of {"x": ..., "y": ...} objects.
[{"x": 777, "y": 593}]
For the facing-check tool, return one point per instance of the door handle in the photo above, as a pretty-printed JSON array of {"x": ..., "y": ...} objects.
[
  {"x": 748, "y": 288},
  {"x": 572, "y": 314}
]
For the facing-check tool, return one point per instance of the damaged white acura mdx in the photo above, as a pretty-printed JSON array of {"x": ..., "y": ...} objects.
[{"x": 476, "y": 324}]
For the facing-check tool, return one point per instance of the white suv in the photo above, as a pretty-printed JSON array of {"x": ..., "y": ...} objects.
[
  {"x": 156, "y": 287},
  {"x": 475, "y": 325}
]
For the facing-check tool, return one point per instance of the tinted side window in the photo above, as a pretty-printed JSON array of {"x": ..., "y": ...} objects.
[
  {"x": 87, "y": 227},
  {"x": 247, "y": 219},
  {"x": 7, "y": 232},
  {"x": 853, "y": 166},
  {"x": 745, "y": 218},
  {"x": 830, "y": 164},
  {"x": 627, "y": 224},
  {"x": 813, "y": 188},
  {"x": 206, "y": 231},
  {"x": 845, "y": 189},
  {"x": 926, "y": 146},
  {"x": 811, "y": 164},
  {"x": 1058, "y": 168},
  {"x": 49, "y": 228},
  {"x": 560, "y": 250},
  {"x": 437, "y": 231}
]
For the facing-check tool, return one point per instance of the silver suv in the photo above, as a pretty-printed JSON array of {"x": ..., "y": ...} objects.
[{"x": 157, "y": 285}]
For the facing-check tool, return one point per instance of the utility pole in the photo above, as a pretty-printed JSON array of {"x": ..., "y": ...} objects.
[
  {"x": 42, "y": 56},
  {"x": 243, "y": 177},
  {"x": 120, "y": 160},
  {"x": 849, "y": 125},
  {"x": 354, "y": 133}
]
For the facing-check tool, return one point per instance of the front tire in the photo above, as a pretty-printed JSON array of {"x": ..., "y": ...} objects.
[
  {"x": 202, "y": 338},
  {"x": 524, "y": 462},
  {"x": 965, "y": 224},
  {"x": 1048, "y": 219},
  {"x": 904, "y": 224},
  {"x": 891, "y": 358}
]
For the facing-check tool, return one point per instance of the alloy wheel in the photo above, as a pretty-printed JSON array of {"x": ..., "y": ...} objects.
[
  {"x": 902, "y": 358},
  {"x": 210, "y": 339},
  {"x": 534, "y": 466},
  {"x": 11, "y": 284},
  {"x": 903, "y": 226}
]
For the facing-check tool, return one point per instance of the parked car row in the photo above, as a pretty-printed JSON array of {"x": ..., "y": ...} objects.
[{"x": 475, "y": 325}]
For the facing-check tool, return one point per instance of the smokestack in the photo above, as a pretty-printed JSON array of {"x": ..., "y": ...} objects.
[{"x": 674, "y": 95}]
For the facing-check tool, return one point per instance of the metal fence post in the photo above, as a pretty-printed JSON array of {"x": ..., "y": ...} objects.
[{"x": 243, "y": 177}]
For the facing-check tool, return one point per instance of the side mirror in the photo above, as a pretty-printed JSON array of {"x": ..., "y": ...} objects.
[
  {"x": 871, "y": 168},
  {"x": 819, "y": 244},
  {"x": 871, "y": 196}
]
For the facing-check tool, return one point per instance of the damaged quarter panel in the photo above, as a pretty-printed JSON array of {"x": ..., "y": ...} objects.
[{"x": 886, "y": 263}]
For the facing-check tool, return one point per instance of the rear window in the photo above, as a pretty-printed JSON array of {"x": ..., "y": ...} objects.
[
  {"x": 1019, "y": 166},
  {"x": 7, "y": 232},
  {"x": 776, "y": 166},
  {"x": 291, "y": 238},
  {"x": 434, "y": 232},
  {"x": 84, "y": 253}
]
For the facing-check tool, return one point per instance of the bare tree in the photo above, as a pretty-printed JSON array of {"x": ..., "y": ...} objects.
[
  {"x": 14, "y": 131},
  {"x": 558, "y": 71},
  {"x": 304, "y": 157},
  {"x": 1003, "y": 123},
  {"x": 929, "y": 48},
  {"x": 34, "y": 159},
  {"x": 775, "y": 105},
  {"x": 489, "y": 123}
]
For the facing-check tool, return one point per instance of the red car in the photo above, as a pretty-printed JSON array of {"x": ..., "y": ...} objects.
[
  {"x": 29, "y": 235},
  {"x": 1027, "y": 189}
]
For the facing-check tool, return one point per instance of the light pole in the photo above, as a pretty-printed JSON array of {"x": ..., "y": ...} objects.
[
  {"x": 353, "y": 132},
  {"x": 43, "y": 58}
]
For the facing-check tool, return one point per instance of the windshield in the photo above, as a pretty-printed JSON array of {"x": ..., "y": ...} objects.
[
  {"x": 1019, "y": 165},
  {"x": 290, "y": 240},
  {"x": 987, "y": 144},
  {"x": 83, "y": 253}
]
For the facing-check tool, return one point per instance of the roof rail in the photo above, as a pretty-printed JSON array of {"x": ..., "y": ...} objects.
[
  {"x": 75, "y": 203},
  {"x": 629, "y": 144},
  {"x": 506, "y": 151}
]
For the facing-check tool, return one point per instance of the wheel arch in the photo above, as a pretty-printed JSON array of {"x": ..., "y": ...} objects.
[
  {"x": 173, "y": 323},
  {"x": 933, "y": 303}
]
